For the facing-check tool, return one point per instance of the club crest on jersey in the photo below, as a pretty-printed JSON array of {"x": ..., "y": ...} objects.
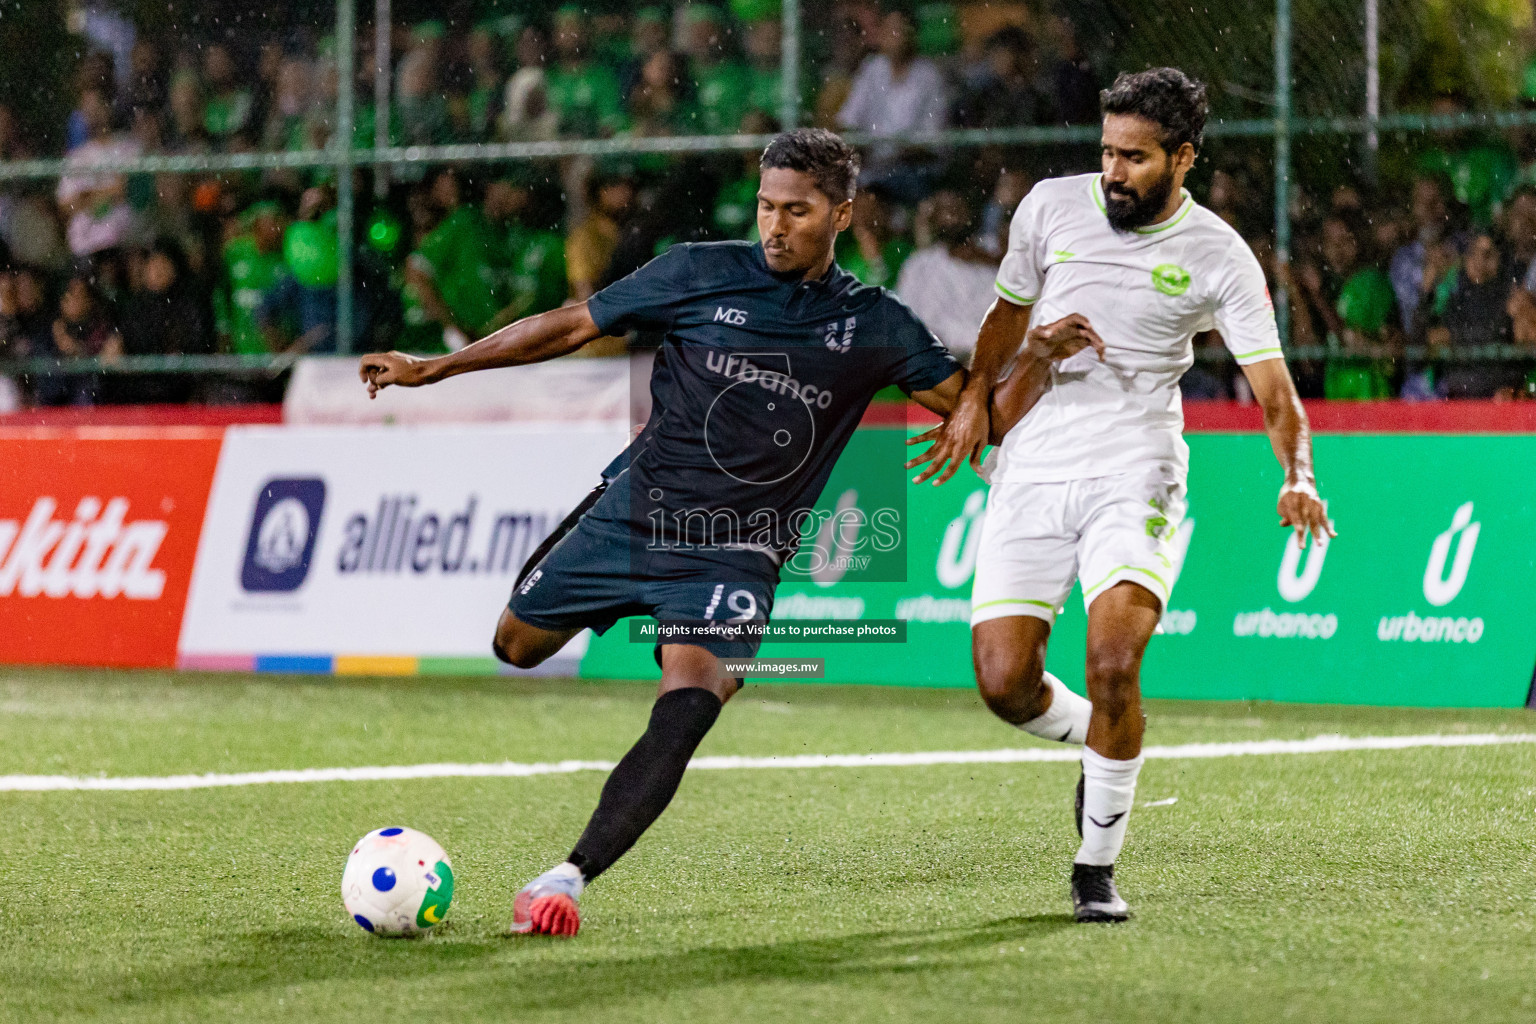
[
  {"x": 833, "y": 330},
  {"x": 1170, "y": 279}
]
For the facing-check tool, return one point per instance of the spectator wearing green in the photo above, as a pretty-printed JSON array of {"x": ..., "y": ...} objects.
[
  {"x": 1356, "y": 306},
  {"x": 658, "y": 104},
  {"x": 253, "y": 269},
  {"x": 453, "y": 278},
  {"x": 363, "y": 120},
  {"x": 735, "y": 212},
  {"x": 185, "y": 103},
  {"x": 229, "y": 108},
  {"x": 938, "y": 29},
  {"x": 584, "y": 93},
  {"x": 319, "y": 121},
  {"x": 287, "y": 120},
  {"x": 749, "y": 11},
  {"x": 869, "y": 250},
  {"x": 650, "y": 34},
  {"x": 610, "y": 36},
  {"x": 659, "y": 107},
  {"x": 763, "y": 40},
  {"x": 476, "y": 111},
  {"x": 419, "y": 93},
  {"x": 721, "y": 83},
  {"x": 299, "y": 313},
  {"x": 1481, "y": 168},
  {"x": 1367, "y": 310},
  {"x": 528, "y": 218},
  {"x": 1528, "y": 82},
  {"x": 1481, "y": 176}
]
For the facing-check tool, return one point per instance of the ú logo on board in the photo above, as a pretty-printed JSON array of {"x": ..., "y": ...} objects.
[
  {"x": 1297, "y": 586},
  {"x": 1440, "y": 589},
  {"x": 284, "y": 526},
  {"x": 962, "y": 539}
]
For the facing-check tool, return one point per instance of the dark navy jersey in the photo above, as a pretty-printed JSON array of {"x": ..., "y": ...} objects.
[{"x": 760, "y": 382}]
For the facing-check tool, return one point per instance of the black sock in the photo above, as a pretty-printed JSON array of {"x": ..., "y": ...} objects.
[{"x": 643, "y": 783}]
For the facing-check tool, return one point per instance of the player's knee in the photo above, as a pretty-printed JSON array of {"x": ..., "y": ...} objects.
[
  {"x": 511, "y": 649},
  {"x": 1114, "y": 679},
  {"x": 517, "y": 644},
  {"x": 1011, "y": 684},
  {"x": 515, "y": 654},
  {"x": 1113, "y": 665}
]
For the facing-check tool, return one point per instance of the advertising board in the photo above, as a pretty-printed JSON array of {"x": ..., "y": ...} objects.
[
  {"x": 1425, "y": 597},
  {"x": 98, "y": 535},
  {"x": 393, "y": 549},
  {"x": 371, "y": 549}
]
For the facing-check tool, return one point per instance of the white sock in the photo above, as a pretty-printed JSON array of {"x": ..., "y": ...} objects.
[
  {"x": 1109, "y": 790},
  {"x": 1066, "y": 720}
]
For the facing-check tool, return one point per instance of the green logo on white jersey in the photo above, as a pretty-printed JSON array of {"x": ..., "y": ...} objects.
[{"x": 1170, "y": 279}]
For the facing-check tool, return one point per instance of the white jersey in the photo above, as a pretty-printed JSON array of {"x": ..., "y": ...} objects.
[{"x": 1147, "y": 292}]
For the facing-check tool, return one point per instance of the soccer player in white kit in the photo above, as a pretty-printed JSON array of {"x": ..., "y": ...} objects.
[{"x": 1120, "y": 270}]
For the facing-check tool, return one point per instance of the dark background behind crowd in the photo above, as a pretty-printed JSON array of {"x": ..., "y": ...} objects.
[{"x": 1439, "y": 256}]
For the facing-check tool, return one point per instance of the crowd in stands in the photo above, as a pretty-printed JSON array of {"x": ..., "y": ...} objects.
[
  {"x": 1440, "y": 274},
  {"x": 105, "y": 264}
]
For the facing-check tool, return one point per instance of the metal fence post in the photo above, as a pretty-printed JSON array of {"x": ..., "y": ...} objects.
[
  {"x": 341, "y": 148},
  {"x": 789, "y": 57},
  {"x": 1283, "y": 167},
  {"x": 382, "y": 60},
  {"x": 1372, "y": 86}
]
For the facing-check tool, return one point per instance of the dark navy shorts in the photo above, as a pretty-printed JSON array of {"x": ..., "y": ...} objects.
[{"x": 599, "y": 573}]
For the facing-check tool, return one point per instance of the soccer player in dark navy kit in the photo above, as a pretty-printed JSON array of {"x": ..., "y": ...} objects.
[{"x": 771, "y": 355}]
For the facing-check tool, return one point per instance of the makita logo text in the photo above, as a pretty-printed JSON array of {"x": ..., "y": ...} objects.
[{"x": 95, "y": 554}]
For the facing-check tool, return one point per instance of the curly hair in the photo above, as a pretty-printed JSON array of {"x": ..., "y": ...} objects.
[
  {"x": 823, "y": 155},
  {"x": 1167, "y": 97}
]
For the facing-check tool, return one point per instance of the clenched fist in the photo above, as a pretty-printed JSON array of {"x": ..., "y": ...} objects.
[{"x": 382, "y": 369}]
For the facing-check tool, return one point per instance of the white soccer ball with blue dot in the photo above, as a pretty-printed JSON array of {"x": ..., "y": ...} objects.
[{"x": 398, "y": 882}]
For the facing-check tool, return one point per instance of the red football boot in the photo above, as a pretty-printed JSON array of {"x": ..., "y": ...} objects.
[{"x": 547, "y": 905}]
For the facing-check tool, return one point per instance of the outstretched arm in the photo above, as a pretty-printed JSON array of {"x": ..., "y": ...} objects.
[
  {"x": 964, "y": 435},
  {"x": 532, "y": 340},
  {"x": 967, "y": 425},
  {"x": 941, "y": 398},
  {"x": 1290, "y": 435}
]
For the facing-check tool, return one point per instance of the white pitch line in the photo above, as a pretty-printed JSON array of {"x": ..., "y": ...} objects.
[{"x": 514, "y": 769}]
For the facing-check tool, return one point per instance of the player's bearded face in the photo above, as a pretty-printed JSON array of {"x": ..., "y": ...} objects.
[{"x": 1130, "y": 205}]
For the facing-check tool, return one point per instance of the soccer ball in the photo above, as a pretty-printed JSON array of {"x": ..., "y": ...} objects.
[{"x": 398, "y": 882}]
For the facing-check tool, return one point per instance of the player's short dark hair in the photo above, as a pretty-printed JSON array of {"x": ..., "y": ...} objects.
[
  {"x": 823, "y": 155},
  {"x": 1165, "y": 96}
]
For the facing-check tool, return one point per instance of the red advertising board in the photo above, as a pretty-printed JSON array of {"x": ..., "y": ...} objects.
[{"x": 98, "y": 535}]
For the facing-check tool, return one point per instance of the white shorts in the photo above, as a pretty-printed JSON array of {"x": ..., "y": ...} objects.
[{"x": 1038, "y": 538}]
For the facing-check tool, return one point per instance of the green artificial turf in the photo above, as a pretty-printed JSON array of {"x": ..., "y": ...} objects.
[{"x": 1384, "y": 886}]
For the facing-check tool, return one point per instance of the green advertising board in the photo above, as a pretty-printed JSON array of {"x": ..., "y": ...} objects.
[{"x": 1425, "y": 597}]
